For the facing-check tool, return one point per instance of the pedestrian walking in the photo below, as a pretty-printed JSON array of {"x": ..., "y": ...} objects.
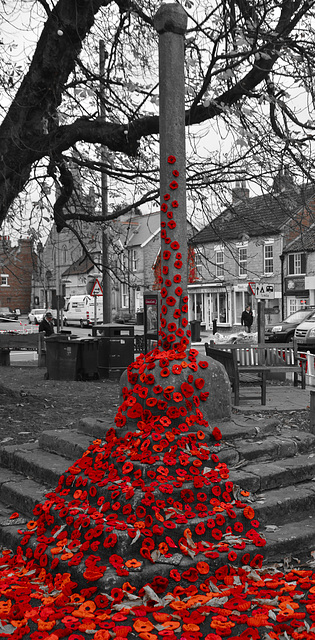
[{"x": 247, "y": 318}]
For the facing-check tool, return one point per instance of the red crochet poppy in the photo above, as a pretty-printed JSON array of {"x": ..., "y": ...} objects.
[
  {"x": 178, "y": 264},
  {"x": 170, "y": 301},
  {"x": 166, "y": 254},
  {"x": 173, "y": 185},
  {"x": 168, "y": 283},
  {"x": 171, "y": 224},
  {"x": 178, "y": 291},
  {"x": 163, "y": 234},
  {"x": 199, "y": 383},
  {"x": 175, "y": 245},
  {"x": 174, "y": 204},
  {"x": 170, "y": 215},
  {"x": 167, "y": 196},
  {"x": 177, "y": 314},
  {"x": 217, "y": 433},
  {"x": 175, "y": 173},
  {"x": 172, "y": 326},
  {"x": 171, "y": 159},
  {"x": 164, "y": 207},
  {"x": 177, "y": 278}
]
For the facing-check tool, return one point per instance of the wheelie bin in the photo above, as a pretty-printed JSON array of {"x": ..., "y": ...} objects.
[{"x": 63, "y": 357}]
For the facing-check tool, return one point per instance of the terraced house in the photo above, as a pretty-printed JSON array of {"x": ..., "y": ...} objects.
[{"x": 244, "y": 253}]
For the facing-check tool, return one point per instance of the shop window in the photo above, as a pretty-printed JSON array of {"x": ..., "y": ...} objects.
[
  {"x": 4, "y": 280},
  {"x": 242, "y": 261},
  {"x": 268, "y": 259},
  {"x": 296, "y": 264}
]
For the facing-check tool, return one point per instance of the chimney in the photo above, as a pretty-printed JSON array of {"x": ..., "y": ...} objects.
[{"x": 240, "y": 192}]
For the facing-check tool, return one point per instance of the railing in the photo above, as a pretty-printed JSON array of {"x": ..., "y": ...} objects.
[{"x": 310, "y": 367}]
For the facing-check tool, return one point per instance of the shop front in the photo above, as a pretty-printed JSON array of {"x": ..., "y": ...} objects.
[{"x": 209, "y": 303}]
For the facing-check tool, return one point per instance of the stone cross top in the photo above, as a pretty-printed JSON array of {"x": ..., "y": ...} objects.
[{"x": 171, "y": 22}]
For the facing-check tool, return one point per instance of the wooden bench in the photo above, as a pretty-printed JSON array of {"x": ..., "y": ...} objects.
[
  {"x": 22, "y": 342},
  {"x": 250, "y": 365}
]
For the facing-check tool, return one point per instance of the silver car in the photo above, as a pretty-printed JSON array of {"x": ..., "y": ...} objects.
[{"x": 35, "y": 316}]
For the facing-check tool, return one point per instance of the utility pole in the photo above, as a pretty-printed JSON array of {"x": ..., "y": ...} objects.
[{"x": 107, "y": 303}]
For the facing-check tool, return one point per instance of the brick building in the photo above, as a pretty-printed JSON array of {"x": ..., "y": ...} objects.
[
  {"x": 244, "y": 247},
  {"x": 16, "y": 268}
]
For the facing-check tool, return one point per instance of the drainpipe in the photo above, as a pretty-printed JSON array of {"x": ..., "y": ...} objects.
[{"x": 282, "y": 285}]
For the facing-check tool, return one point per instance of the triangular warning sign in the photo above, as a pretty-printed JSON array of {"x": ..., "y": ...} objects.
[{"x": 97, "y": 289}]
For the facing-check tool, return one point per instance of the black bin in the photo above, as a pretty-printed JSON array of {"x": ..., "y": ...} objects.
[
  {"x": 89, "y": 359},
  {"x": 63, "y": 357},
  {"x": 195, "y": 330},
  {"x": 115, "y": 349}
]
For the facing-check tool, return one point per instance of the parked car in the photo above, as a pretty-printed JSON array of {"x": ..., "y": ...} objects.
[
  {"x": 35, "y": 316},
  {"x": 284, "y": 331},
  {"x": 7, "y": 315},
  {"x": 304, "y": 334}
]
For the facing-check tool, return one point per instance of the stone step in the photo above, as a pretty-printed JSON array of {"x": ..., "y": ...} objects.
[
  {"x": 238, "y": 427},
  {"x": 278, "y": 465},
  {"x": 32, "y": 461}
]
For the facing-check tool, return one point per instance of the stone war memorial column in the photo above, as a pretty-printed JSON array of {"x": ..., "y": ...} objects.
[{"x": 171, "y": 22}]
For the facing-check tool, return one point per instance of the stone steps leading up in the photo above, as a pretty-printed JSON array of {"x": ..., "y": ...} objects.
[{"x": 277, "y": 465}]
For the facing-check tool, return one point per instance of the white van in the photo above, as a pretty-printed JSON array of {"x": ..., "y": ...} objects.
[{"x": 80, "y": 310}]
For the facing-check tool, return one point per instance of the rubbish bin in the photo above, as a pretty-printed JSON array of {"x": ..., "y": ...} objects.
[
  {"x": 140, "y": 317},
  {"x": 195, "y": 330},
  {"x": 115, "y": 350},
  {"x": 89, "y": 358},
  {"x": 62, "y": 357}
]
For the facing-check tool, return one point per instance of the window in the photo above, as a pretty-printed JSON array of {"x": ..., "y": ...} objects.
[
  {"x": 242, "y": 261},
  {"x": 133, "y": 260},
  {"x": 268, "y": 258},
  {"x": 297, "y": 263},
  {"x": 4, "y": 282},
  {"x": 219, "y": 263},
  {"x": 125, "y": 295}
]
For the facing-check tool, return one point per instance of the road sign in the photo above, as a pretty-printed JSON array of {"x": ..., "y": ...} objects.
[
  {"x": 97, "y": 289},
  {"x": 252, "y": 287},
  {"x": 265, "y": 291}
]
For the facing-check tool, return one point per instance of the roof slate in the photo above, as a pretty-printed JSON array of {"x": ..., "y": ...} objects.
[
  {"x": 305, "y": 242},
  {"x": 262, "y": 215}
]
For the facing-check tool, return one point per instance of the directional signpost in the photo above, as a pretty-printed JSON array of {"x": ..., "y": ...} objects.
[{"x": 265, "y": 291}]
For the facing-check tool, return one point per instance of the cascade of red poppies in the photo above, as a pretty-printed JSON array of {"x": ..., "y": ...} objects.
[{"x": 174, "y": 331}]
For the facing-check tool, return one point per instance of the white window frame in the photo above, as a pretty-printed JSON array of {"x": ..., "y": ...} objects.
[
  {"x": 242, "y": 263},
  {"x": 133, "y": 259},
  {"x": 125, "y": 295},
  {"x": 268, "y": 259},
  {"x": 4, "y": 280},
  {"x": 297, "y": 264},
  {"x": 219, "y": 264}
]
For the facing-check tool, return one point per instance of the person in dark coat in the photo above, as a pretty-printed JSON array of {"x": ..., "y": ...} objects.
[
  {"x": 247, "y": 318},
  {"x": 47, "y": 324}
]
